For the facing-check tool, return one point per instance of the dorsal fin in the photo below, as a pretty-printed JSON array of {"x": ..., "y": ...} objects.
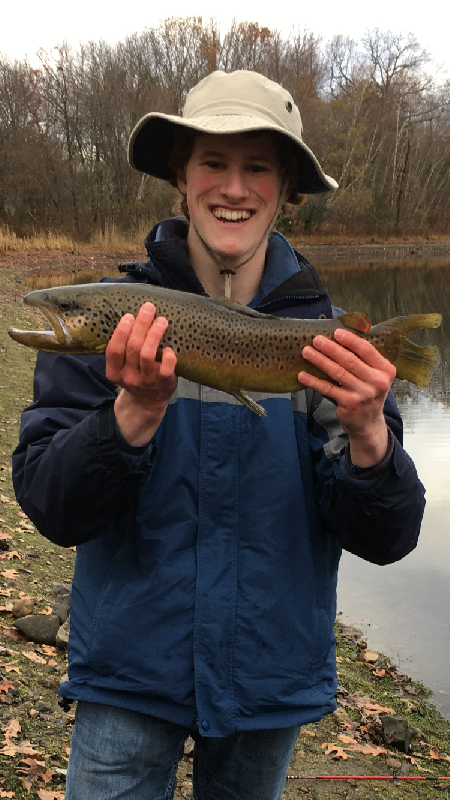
[
  {"x": 356, "y": 321},
  {"x": 233, "y": 305}
]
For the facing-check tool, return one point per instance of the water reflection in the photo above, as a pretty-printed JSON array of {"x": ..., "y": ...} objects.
[{"x": 403, "y": 608}]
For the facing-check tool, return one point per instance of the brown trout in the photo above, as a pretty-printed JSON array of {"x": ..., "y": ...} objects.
[{"x": 218, "y": 342}]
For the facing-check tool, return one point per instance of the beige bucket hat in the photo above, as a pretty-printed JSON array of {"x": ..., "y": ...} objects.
[{"x": 234, "y": 102}]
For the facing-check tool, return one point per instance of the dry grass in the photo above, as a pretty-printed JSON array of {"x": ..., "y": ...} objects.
[
  {"x": 113, "y": 240},
  {"x": 10, "y": 242}
]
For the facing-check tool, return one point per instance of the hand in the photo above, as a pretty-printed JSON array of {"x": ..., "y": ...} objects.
[
  {"x": 147, "y": 384},
  {"x": 363, "y": 377}
]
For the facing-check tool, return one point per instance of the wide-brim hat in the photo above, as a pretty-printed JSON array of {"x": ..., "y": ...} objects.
[{"x": 235, "y": 102}]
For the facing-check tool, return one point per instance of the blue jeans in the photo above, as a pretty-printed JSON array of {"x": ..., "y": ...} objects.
[{"x": 123, "y": 754}]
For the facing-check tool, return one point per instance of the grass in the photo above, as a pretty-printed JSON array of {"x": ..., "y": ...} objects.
[{"x": 113, "y": 240}]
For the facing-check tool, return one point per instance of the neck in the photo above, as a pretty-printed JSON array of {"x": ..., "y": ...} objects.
[{"x": 244, "y": 284}]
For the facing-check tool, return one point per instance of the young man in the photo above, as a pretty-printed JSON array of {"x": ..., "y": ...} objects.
[{"x": 209, "y": 538}]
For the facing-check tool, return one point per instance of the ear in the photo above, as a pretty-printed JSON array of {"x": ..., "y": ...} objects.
[{"x": 181, "y": 181}]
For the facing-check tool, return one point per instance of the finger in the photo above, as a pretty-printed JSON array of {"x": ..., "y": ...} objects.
[
  {"x": 346, "y": 367},
  {"x": 142, "y": 325},
  {"x": 363, "y": 348},
  {"x": 151, "y": 343},
  {"x": 323, "y": 387},
  {"x": 116, "y": 347},
  {"x": 168, "y": 363}
]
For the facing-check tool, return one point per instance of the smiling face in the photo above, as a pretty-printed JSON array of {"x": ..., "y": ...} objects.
[{"x": 232, "y": 183}]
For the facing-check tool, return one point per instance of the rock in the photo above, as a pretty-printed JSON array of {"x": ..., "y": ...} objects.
[
  {"x": 22, "y": 607},
  {"x": 396, "y": 732},
  {"x": 367, "y": 656},
  {"x": 62, "y": 637},
  {"x": 189, "y": 747},
  {"x": 39, "y": 628},
  {"x": 61, "y": 606},
  {"x": 61, "y": 587}
]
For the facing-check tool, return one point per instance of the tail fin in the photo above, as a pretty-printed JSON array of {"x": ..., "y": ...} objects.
[
  {"x": 415, "y": 322},
  {"x": 416, "y": 364}
]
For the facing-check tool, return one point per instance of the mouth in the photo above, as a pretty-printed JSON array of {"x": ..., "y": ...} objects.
[
  {"x": 232, "y": 215},
  {"x": 59, "y": 330}
]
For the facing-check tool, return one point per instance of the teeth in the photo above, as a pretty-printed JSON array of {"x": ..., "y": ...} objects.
[{"x": 234, "y": 216}]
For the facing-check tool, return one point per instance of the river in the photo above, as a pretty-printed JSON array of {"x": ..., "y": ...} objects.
[{"x": 403, "y": 609}]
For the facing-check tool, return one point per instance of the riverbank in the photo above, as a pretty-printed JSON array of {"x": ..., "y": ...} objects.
[
  {"x": 92, "y": 261},
  {"x": 35, "y": 731},
  {"x": 355, "y": 252}
]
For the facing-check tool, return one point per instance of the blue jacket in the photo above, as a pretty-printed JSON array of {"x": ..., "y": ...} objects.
[{"x": 205, "y": 581}]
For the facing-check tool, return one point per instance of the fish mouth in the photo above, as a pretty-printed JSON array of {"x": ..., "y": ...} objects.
[
  {"x": 57, "y": 339},
  {"x": 59, "y": 330}
]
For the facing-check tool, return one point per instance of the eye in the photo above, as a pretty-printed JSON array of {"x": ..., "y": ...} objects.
[
  {"x": 213, "y": 164},
  {"x": 258, "y": 168}
]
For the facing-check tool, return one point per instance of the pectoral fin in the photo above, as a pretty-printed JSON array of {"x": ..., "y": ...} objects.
[{"x": 251, "y": 404}]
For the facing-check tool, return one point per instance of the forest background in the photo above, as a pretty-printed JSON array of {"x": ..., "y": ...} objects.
[{"x": 373, "y": 113}]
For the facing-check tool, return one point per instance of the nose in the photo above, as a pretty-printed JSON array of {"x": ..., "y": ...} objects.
[{"x": 234, "y": 185}]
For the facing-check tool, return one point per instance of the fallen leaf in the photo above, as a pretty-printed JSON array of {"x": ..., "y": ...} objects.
[
  {"x": 48, "y": 649},
  {"x": 10, "y": 555},
  {"x": 52, "y": 662},
  {"x": 368, "y": 749},
  {"x": 8, "y": 501},
  {"x": 25, "y": 747},
  {"x": 339, "y": 752},
  {"x": 373, "y": 709},
  {"x": 44, "y": 795},
  {"x": 5, "y": 536},
  {"x": 32, "y": 656},
  {"x": 10, "y": 574},
  {"x": 7, "y": 607},
  {"x": 12, "y": 729},
  {"x": 343, "y": 737},
  {"x": 46, "y": 610},
  {"x": 10, "y": 668},
  {"x": 34, "y": 770},
  {"x": 12, "y": 633},
  {"x": 6, "y": 686},
  {"x": 379, "y": 673},
  {"x": 6, "y": 794}
]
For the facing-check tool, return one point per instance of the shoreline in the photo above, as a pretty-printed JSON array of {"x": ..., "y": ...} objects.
[
  {"x": 327, "y": 254},
  {"x": 323, "y": 254}
]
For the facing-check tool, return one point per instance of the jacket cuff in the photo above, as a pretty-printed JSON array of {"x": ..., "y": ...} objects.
[
  {"x": 136, "y": 457},
  {"x": 375, "y": 470}
]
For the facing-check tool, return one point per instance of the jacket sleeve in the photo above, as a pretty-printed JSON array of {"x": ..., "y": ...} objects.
[
  {"x": 71, "y": 473},
  {"x": 377, "y": 519}
]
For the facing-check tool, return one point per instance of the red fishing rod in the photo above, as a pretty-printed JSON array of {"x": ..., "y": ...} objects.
[{"x": 393, "y": 777}]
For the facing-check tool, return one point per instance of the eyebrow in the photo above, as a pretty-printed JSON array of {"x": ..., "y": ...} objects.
[{"x": 208, "y": 153}]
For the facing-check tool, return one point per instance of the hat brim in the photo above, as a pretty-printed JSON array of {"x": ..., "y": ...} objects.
[{"x": 152, "y": 139}]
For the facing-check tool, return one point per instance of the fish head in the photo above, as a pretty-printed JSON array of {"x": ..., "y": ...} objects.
[{"x": 81, "y": 317}]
